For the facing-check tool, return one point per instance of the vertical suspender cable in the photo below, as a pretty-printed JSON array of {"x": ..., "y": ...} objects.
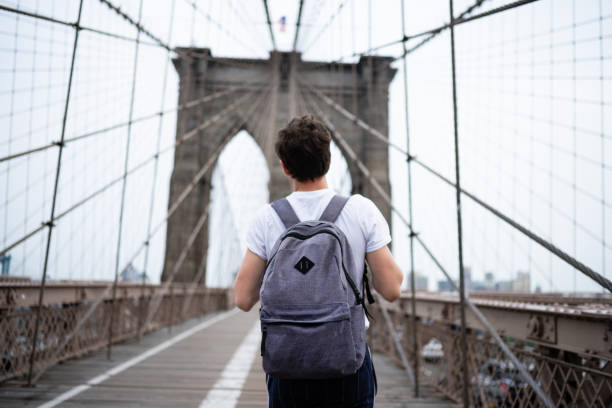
[
  {"x": 265, "y": 2},
  {"x": 462, "y": 294},
  {"x": 123, "y": 187},
  {"x": 155, "y": 171},
  {"x": 60, "y": 144},
  {"x": 297, "y": 26},
  {"x": 574, "y": 117},
  {"x": 603, "y": 140},
  {"x": 354, "y": 65},
  {"x": 415, "y": 344},
  {"x": 551, "y": 138}
]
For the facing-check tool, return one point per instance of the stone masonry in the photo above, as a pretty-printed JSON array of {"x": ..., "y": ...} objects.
[{"x": 361, "y": 88}]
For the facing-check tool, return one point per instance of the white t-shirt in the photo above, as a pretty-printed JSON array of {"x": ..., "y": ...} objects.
[{"x": 360, "y": 220}]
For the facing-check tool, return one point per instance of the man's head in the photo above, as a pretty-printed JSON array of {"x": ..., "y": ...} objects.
[{"x": 303, "y": 147}]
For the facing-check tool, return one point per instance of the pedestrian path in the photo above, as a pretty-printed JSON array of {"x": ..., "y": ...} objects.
[{"x": 208, "y": 362}]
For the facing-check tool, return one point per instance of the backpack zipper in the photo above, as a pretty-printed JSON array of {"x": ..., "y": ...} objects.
[{"x": 346, "y": 274}]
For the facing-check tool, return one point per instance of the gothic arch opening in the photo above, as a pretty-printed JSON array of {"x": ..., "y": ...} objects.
[
  {"x": 339, "y": 175},
  {"x": 239, "y": 187}
]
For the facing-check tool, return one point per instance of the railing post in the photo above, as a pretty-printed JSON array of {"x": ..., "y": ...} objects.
[
  {"x": 462, "y": 294},
  {"x": 50, "y": 224},
  {"x": 123, "y": 186},
  {"x": 415, "y": 344}
]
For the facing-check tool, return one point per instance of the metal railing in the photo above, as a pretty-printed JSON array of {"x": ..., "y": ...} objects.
[
  {"x": 564, "y": 346},
  {"x": 65, "y": 306}
]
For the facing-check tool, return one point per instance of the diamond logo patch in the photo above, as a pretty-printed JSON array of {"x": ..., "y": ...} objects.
[{"x": 304, "y": 265}]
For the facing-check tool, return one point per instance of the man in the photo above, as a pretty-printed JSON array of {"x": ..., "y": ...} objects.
[{"x": 303, "y": 150}]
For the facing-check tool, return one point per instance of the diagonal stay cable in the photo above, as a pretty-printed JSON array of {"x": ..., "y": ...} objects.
[
  {"x": 177, "y": 108},
  {"x": 177, "y": 266},
  {"x": 181, "y": 53},
  {"x": 424, "y": 41},
  {"x": 53, "y": 20},
  {"x": 528, "y": 378},
  {"x": 202, "y": 267},
  {"x": 325, "y": 27},
  {"x": 396, "y": 340},
  {"x": 136, "y": 24},
  {"x": 404, "y": 39},
  {"x": 158, "y": 297},
  {"x": 353, "y": 118},
  {"x": 586, "y": 270},
  {"x": 433, "y": 32},
  {"x": 224, "y": 28},
  {"x": 344, "y": 145},
  {"x": 205, "y": 168},
  {"x": 457, "y": 21},
  {"x": 461, "y": 19},
  {"x": 489, "y": 328},
  {"x": 156, "y": 41},
  {"x": 298, "y": 25},
  {"x": 96, "y": 193},
  {"x": 145, "y": 265},
  {"x": 269, "y": 22}
]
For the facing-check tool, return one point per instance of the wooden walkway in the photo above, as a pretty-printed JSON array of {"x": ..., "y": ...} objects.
[{"x": 209, "y": 362}]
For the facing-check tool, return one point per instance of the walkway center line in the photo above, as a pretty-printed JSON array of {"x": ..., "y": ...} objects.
[
  {"x": 139, "y": 358},
  {"x": 226, "y": 391}
]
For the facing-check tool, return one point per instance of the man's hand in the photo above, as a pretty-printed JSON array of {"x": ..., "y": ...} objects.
[
  {"x": 386, "y": 275},
  {"x": 248, "y": 281}
]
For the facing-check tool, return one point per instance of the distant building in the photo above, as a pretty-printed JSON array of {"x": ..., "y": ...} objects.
[
  {"x": 467, "y": 277},
  {"x": 504, "y": 286},
  {"x": 131, "y": 274},
  {"x": 522, "y": 282},
  {"x": 421, "y": 282},
  {"x": 489, "y": 279},
  {"x": 445, "y": 286},
  {"x": 5, "y": 262}
]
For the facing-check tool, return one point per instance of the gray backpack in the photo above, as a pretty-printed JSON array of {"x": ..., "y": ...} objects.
[{"x": 312, "y": 309}]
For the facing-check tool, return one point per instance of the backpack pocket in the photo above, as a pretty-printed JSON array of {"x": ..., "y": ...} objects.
[{"x": 308, "y": 341}]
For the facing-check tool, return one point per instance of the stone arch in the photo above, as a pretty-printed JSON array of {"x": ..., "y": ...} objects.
[
  {"x": 236, "y": 193},
  {"x": 362, "y": 86}
]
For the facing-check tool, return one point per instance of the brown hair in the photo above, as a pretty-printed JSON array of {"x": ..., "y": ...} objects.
[{"x": 303, "y": 145}]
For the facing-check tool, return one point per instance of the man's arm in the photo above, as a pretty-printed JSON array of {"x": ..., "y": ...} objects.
[
  {"x": 386, "y": 275},
  {"x": 248, "y": 281}
]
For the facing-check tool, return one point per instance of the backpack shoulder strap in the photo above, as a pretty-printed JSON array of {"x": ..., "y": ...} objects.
[
  {"x": 285, "y": 212},
  {"x": 333, "y": 209}
]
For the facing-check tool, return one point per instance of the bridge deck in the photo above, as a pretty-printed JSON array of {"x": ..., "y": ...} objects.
[{"x": 211, "y": 362}]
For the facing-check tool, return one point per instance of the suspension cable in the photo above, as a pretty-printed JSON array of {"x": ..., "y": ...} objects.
[
  {"x": 265, "y": 3},
  {"x": 50, "y": 224},
  {"x": 526, "y": 375},
  {"x": 176, "y": 267},
  {"x": 433, "y": 32},
  {"x": 73, "y": 25},
  {"x": 586, "y": 270},
  {"x": 415, "y": 344},
  {"x": 172, "y": 209},
  {"x": 297, "y": 26},
  {"x": 178, "y": 142},
  {"x": 126, "y": 162},
  {"x": 325, "y": 26}
]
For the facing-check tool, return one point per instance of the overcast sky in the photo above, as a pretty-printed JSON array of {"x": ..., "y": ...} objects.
[{"x": 534, "y": 98}]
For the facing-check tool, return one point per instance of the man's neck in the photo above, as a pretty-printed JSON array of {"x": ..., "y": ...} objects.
[{"x": 318, "y": 184}]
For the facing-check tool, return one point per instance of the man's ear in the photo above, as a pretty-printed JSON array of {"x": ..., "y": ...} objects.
[{"x": 285, "y": 169}]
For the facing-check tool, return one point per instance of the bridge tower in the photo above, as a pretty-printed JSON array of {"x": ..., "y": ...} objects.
[{"x": 361, "y": 88}]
